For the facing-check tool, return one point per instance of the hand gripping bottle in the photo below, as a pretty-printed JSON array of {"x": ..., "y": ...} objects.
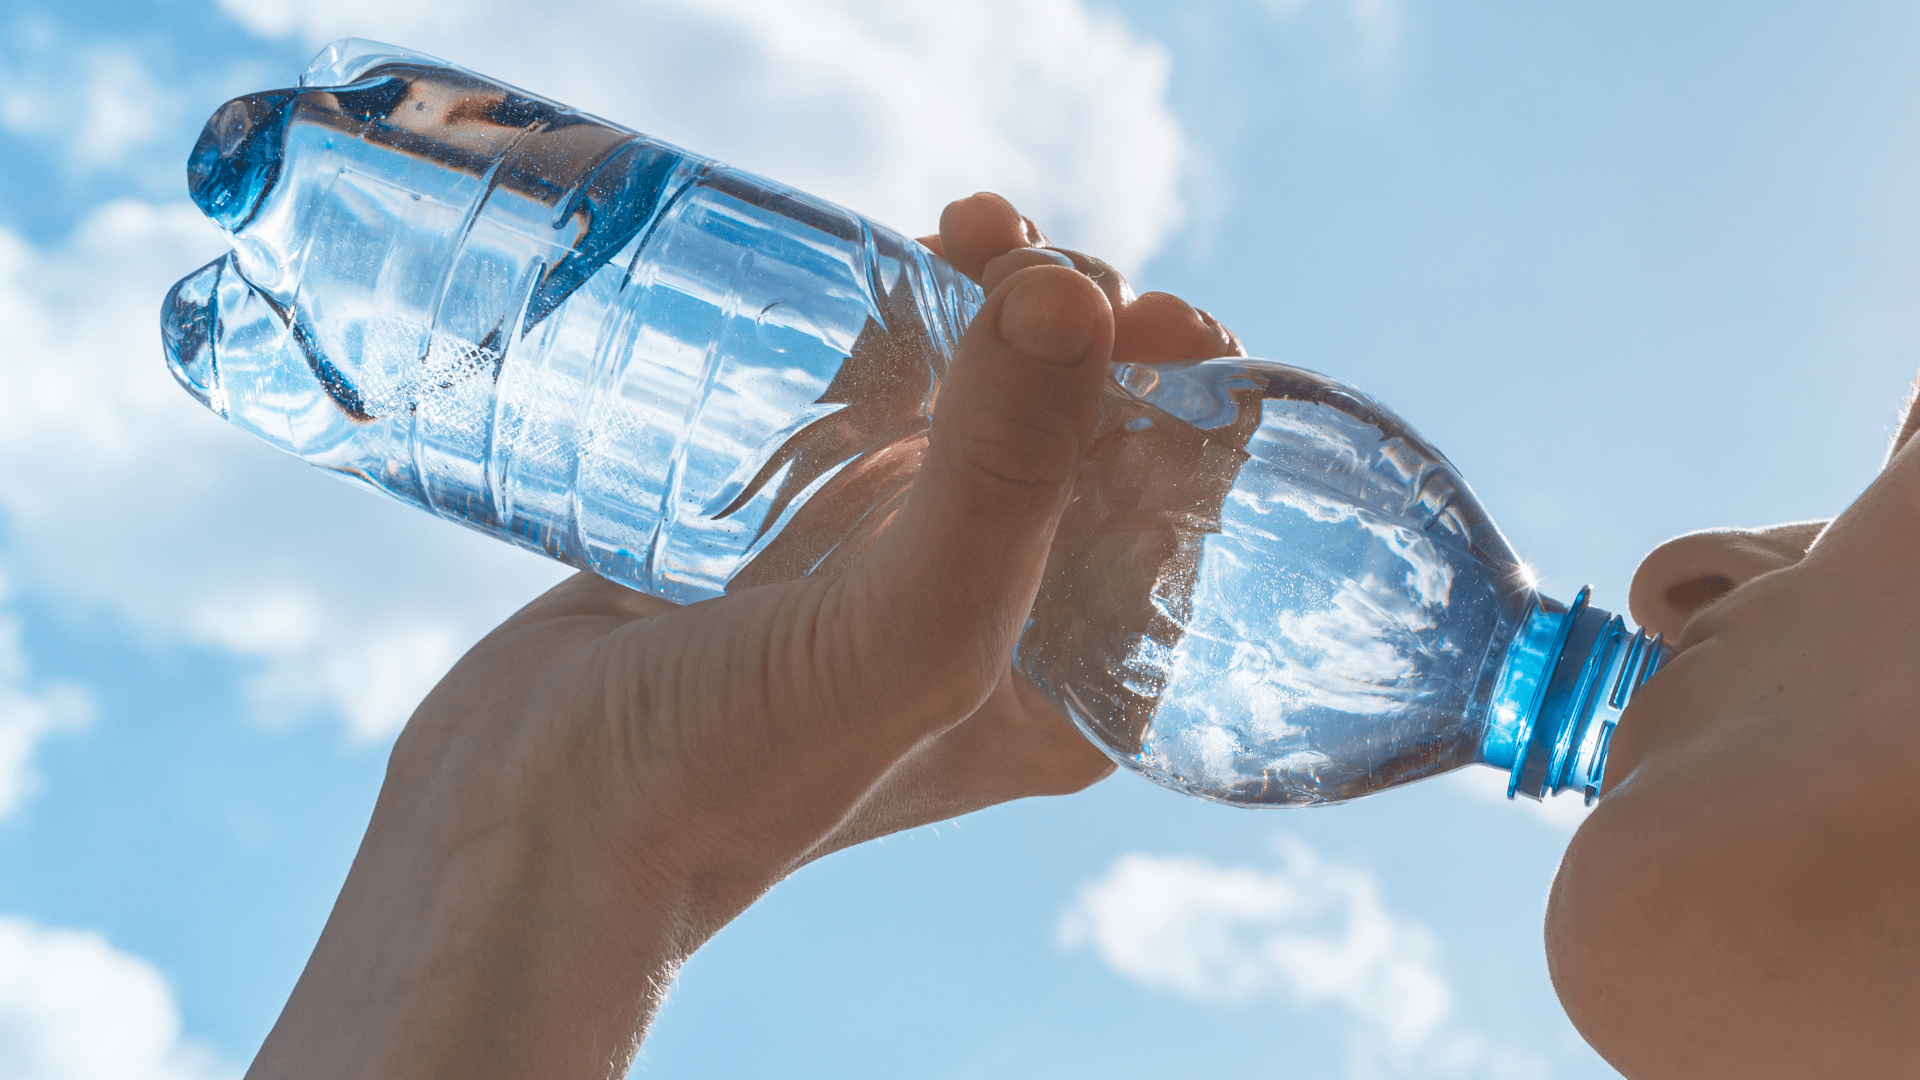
[{"x": 1267, "y": 589}]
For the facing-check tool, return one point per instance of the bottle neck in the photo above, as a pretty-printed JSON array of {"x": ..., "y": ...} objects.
[{"x": 1568, "y": 676}]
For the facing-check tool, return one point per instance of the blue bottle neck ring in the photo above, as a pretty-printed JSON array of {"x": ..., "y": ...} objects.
[{"x": 1568, "y": 676}]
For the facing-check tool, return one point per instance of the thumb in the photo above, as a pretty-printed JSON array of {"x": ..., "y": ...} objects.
[{"x": 954, "y": 576}]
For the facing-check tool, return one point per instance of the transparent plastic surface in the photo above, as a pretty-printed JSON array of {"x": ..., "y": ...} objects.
[
  {"x": 550, "y": 328},
  {"x": 1267, "y": 590}
]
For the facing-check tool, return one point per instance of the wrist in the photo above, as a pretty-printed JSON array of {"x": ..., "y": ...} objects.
[{"x": 472, "y": 940}]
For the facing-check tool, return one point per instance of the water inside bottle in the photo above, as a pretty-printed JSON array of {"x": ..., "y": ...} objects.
[
  {"x": 551, "y": 328},
  {"x": 1305, "y": 602}
]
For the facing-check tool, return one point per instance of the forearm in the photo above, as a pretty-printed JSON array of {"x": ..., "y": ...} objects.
[
  {"x": 499, "y": 921},
  {"x": 479, "y": 965}
]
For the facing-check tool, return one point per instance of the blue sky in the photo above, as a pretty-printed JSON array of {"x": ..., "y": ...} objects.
[{"x": 1639, "y": 268}]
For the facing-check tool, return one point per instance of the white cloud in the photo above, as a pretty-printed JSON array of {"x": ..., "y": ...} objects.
[
  {"x": 373, "y": 679},
  {"x": 98, "y": 100},
  {"x": 1561, "y": 813},
  {"x": 1312, "y": 932},
  {"x": 892, "y": 108},
  {"x": 28, "y": 714},
  {"x": 1375, "y": 24},
  {"x": 72, "y": 1007},
  {"x": 119, "y": 491}
]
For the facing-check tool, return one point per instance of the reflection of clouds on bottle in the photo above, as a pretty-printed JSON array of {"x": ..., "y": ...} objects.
[
  {"x": 1322, "y": 615},
  {"x": 1121, "y": 576}
]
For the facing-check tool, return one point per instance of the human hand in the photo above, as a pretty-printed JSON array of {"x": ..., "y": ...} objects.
[{"x": 608, "y": 778}]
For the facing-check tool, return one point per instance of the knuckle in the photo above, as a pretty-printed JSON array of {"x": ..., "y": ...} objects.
[
  {"x": 1111, "y": 282},
  {"x": 1016, "y": 457}
]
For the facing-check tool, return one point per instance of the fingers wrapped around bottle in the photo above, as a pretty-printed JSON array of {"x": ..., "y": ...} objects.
[{"x": 987, "y": 239}]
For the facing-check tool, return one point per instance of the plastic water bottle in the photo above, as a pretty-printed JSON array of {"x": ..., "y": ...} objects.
[{"x": 1267, "y": 589}]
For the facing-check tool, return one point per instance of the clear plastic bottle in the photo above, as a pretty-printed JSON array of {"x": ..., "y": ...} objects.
[
  {"x": 550, "y": 328},
  {"x": 1267, "y": 589}
]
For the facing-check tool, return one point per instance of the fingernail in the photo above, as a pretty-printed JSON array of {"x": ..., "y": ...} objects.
[
  {"x": 1042, "y": 319},
  {"x": 1212, "y": 324},
  {"x": 1005, "y": 265},
  {"x": 1228, "y": 342}
]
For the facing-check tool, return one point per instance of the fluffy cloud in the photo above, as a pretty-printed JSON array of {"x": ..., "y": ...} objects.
[
  {"x": 99, "y": 101},
  {"x": 372, "y": 678},
  {"x": 892, "y": 108},
  {"x": 27, "y": 714},
  {"x": 72, "y": 1007},
  {"x": 118, "y": 490},
  {"x": 1312, "y": 932}
]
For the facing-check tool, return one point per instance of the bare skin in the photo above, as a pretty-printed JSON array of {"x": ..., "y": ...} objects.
[
  {"x": 607, "y": 779},
  {"x": 1742, "y": 902}
]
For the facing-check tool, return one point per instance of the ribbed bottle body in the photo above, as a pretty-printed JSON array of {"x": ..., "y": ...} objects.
[{"x": 551, "y": 329}]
